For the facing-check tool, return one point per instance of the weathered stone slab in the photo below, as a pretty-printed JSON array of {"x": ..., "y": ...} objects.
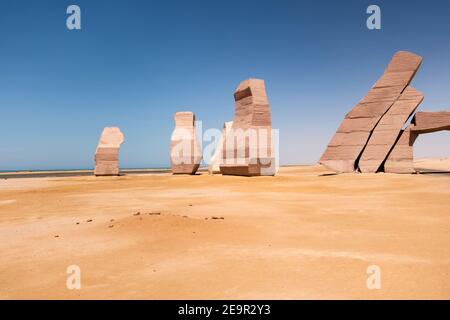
[
  {"x": 368, "y": 112},
  {"x": 386, "y": 133},
  {"x": 107, "y": 152},
  {"x": 401, "y": 158},
  {"x": 427, "y": 122},
  {"x": 185, "y": 150},
  {"x": 247, "y": 147}
]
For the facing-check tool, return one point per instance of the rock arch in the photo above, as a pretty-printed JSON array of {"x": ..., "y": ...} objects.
[{"x": 401, "y": 158}]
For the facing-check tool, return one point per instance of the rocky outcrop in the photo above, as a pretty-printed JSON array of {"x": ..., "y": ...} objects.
[
  {"x": 352, "y": 136},
  {"x": 107, "y": 153},
  {"x": 247, "y": 148},
  {"x": 185, "y": 151}
]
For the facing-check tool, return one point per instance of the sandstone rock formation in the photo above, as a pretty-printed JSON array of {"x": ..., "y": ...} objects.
[
  {"x": 216, "y": 159},
  {"x": 185, "y": 151},
  {"x": 346, "y": 147},
  {"x": 107, "y": 153},
  {"x": 427, "y": 122},
  {"x": 247, "y": 148},
  {"x": 387, "y": 131},
  {"x": 401, "y": 159}
]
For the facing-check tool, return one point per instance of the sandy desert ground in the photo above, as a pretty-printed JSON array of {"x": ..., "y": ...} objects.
[{"x": 304, "y": 234}]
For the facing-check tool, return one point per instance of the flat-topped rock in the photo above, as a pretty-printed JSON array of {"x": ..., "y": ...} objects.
[
  {"x": 185, "y": 151},
  {"x": 427, "y": 122},
  {"x": 247, "y": 147}
]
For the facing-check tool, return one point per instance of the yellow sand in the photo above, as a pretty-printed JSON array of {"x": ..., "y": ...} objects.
[{"x": 301, "y": 234}]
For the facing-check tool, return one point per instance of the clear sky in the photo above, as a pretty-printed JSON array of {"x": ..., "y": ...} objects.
[{"x": 134, "y": 63}]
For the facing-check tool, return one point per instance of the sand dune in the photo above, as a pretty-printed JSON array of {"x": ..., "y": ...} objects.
[{"x": 305, "y": 233}]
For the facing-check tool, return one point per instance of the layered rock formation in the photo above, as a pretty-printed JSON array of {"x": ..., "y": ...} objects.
[
  {"x": 216, "y": 159},
  {"x": 401, "y": 159},
  {"x": 386, "y": 133},
  {"x": 185, "y": 151},
  {"x": 247, "y": 148},
  {"x": 346, "y": 147},
  {"x": 107, "y": 153},
  {"x": 371, "y": 138},
  {"x": 427, "y": 122}
]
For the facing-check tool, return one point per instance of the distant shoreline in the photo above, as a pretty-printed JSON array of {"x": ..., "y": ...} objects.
[
  {"x": 72, "y": 173},
  {"x": 90, "y": 172},
  {"x": 424, "y": 165}
]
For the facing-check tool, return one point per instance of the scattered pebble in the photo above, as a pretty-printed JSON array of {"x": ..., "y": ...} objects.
[
  {"x": 78, "y": 223},
  {"x": 185, "y": 217},
  {"x": 190, "y": 205},
  {"x": 216, "y": 218},
  {"x": 56, "y": 236},
  {"x": 154, "y": 213},
  {"x": 111, "y": 226},
  {"x": 137, "y": 213},
  {"x": 90, "y": 220}
]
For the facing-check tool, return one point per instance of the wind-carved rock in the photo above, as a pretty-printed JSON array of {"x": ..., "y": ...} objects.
[
  {"x": 107, "y": 153},
  {"x": 216, "y": 159},
  {"x": 185, "y": 151},
  {"x": 248, "y": 146},
  {"x": 347, "y": 145}
]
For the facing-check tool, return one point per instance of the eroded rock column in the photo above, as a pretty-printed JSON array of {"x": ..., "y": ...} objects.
[
  {"x": 248, "y": 147},
  {"x": 107, "y": 153},
  {"x": 185, "y": 150}
]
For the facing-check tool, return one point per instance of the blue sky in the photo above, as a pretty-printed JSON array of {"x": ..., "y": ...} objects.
[{"x": 134, "y": 63}]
